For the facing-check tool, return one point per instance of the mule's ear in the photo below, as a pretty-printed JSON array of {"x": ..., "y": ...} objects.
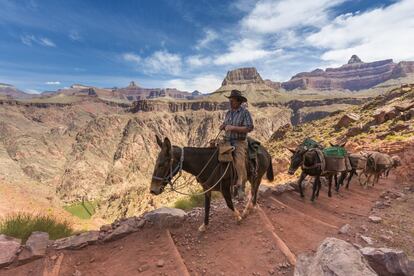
[
  {"x": 167, "y": 144},
  {"x": 343, "y": 145},
  {"x": 159, "y": 142},
  {"x": 332, "y": 145},
  {"x": 291, "y": 150}
]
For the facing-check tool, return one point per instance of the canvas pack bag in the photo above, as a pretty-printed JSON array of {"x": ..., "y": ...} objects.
[
  {"x": 225, "y": 152},
  {"x": 335, "y": 159}
]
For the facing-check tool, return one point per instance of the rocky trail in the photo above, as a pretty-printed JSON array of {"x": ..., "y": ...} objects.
[{"x": 265, "y": 243}]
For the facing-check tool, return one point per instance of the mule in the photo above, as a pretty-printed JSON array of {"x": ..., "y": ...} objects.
[
  {"x": 378, "y": 164},
  {"x": 358, "y": 163},
  {"x": 210, "y": 173},
  {"x": 310, "y": 163}
]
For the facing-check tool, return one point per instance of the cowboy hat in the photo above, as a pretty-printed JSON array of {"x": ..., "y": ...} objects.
[{"x": 236, "y": 94}]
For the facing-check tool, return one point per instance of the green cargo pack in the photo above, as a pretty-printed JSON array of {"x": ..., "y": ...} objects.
[
  {"x": 335, "y": 152},
  {"x": 308, "y": 142}
]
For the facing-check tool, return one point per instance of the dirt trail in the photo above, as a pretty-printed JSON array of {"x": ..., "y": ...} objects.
[{"x": 249, "y": 248}]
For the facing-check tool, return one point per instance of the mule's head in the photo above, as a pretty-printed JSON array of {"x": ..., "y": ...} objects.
[
  {"x": 297, "y": 158},
  {"x": 162, "y": 167},
  {"x": 396, "y": 161}
]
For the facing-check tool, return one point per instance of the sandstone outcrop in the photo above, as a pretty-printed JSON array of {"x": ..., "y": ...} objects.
[
  {"x": 354, "y": 76},
  {"x": 249, "y": 81}
]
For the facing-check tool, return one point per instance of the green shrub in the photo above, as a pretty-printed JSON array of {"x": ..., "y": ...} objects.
[
  {"x": 82, "y": 210},
  {"x": 189, "y": 202},
  {"x": 21, "y": 225}
]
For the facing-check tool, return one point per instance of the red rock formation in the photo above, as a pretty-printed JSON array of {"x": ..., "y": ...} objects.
[
  {"x": 134, "y": 92},
  {"x": 274, "y": 84},
  {"x": 243, "y": 76},
  {"x": 355, "y": 75}
]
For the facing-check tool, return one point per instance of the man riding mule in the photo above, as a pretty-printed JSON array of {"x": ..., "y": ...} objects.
[
  {"x": 209, "y": 171},
  {"x": 237, "y": 123},
  {"x": 213, "y": 175}
]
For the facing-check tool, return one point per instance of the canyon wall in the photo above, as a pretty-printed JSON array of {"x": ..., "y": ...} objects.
[{"x": 354, "y": 76}]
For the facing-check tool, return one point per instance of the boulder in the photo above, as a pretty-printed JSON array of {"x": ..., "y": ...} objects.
[
  {"x": 353, "y": 131},
  {"x": 280, "y": 133},
  {"x": 119, "y": 232},
  {"x": 399, "y": 127},
  {"x": 333, "y": 257},
  {"x": 404, "y": 106},
  {"x": 406, "y": 115},
  {"x": 35, "y": 247},
  {"x": 9, "y": 247},
  {"x": 280, "y": 189},
  {"x": 166, "y": 217},
  {"x": 384, "y": 114},
  {"x": 387, "y": 261},
  {"x": 77, "y": 241},
  {"x": 265, "y": 190},
  {"x": 346, "y": 120}
]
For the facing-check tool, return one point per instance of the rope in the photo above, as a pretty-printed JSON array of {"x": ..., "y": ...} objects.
[{"x": 206, "y": 191}]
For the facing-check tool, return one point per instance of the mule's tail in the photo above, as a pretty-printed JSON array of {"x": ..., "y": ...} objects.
[{"x": 269, "y": 173}]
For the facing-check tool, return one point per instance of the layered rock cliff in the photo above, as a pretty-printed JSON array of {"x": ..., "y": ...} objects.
[{"x": 354, "y": 76}]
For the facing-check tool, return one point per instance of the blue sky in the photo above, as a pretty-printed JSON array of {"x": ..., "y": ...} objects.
[{"x": 51, "y": 44}]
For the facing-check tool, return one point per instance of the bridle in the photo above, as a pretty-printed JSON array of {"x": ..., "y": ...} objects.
[
  {"x": 172, "y": 172},
  {"x": 179, "y": 168}
]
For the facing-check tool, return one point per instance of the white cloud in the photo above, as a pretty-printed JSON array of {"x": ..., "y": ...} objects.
[
  {"x": 270, "y": 16},
  {"x": 203, "y": 83},
  {"x": 209, "y": 36},
  {"x": 30, "y": 39},
  {"x": 131, "y": 57},
  {"x": 377, "y": 34},
  {"x": 74, "y": 35},
  {"x": 198, "y": 61},
  {"x": 27, "y": 39},
  {"x": 162, "y": 62},
  {"x": 32, "y": 91},
  {"x": 52, "y": 82},
  {"x": 46, "y": 42},
  {"x": 243, "y": 51}
]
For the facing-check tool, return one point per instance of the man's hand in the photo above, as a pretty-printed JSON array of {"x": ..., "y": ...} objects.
[
  {"x": 229, "y": 128},
  {"x": 222, "y": 127}
]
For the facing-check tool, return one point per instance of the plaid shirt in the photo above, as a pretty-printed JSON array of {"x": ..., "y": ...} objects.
[{"x": 238, "y": 117}]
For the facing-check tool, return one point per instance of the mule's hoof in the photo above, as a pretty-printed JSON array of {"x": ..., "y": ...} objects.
[
  {"x": 237, "y": 216},
  {"x": 330, "y": 195},
  {"x": 202, "y": 228}
]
